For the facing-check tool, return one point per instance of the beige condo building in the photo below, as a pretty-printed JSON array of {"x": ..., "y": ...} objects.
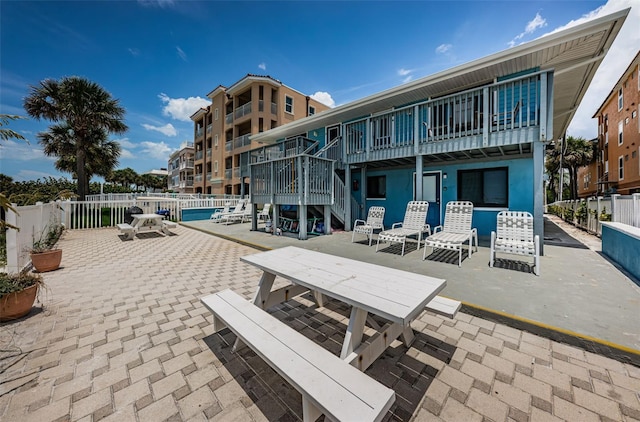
[{"x": 222, "y": 130}]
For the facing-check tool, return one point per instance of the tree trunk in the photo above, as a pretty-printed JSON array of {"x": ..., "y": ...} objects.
[{"x": 81, "y": 173}]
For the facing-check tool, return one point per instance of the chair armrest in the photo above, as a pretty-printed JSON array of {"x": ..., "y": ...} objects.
[
  {"x": 396, "y": 225},
  {"x": 437, "y": 229},
  {"x": 355, "y": 223},
  {"x": 426, "y": 229}
]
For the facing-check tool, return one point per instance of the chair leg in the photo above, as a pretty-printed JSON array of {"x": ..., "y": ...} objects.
[
  {"x": 370, "y": 236},
  {"x": 460, "y": 256},
  {"x": 353, "y": 235},
  {"x": 378, "y": 243},
  {"x": 403, "y": 242}
]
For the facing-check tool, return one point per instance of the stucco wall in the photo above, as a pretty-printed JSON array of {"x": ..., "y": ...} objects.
[{"x": 400, "y": 190}]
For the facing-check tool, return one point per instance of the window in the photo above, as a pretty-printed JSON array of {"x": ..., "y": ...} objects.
[
  {"x": 288, "y": 104},
  {"x": 216, "y": 113},
  {"x": 621, "y": 168},
  {"x": 312, "y": 110},
  {"x": 215, "y": 140},
  {"x": 484, "y": 187},
  {"x": 620, "y": 99},
  {"x": 620, "y": 130},
  {"x": 215, "y": 166},
  {"x": 377, "y": 187}
]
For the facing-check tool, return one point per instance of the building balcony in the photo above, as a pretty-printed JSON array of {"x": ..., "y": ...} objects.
[
  {"x": 197, "y": 178},
  {"x": 186, "y": 164},
  {"x": 208, "y": 152},
  {"x": 243, "y": 110},
  {"x": 209, "y": 129},
  {"x": 228, "y": 119},
  {"x": 199, "y": 155},
  {"x": 241, "y": 141},
  {"x": 199, "y": 132}
]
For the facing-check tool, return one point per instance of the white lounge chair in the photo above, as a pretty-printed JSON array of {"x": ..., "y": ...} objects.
[
  {"x": 414, "y": 224},
  {"x": 216, "y": 215},
  {"x": 514, "y": 235},
  {"x": 264, "y": 213},
  {"x": 455, "y": 231},
  {"x": 240, "y": 215},
  {"x": 222, "y": 215},
  {"x": 374, "y": 221}
]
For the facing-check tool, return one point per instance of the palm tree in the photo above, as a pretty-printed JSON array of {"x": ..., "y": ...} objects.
[
  {"x": 5, "y": 135},
  {"x": 579, "y": 153},
  {"x": 101, "y": 156},
  {"x": 84, "y": 107}
]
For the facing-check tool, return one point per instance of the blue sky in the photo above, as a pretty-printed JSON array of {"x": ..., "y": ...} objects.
[{"x": 160, "y": 57}]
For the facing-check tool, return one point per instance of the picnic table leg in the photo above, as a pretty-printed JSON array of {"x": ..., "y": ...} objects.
[
  {"x": 264, "y": 289},
  {"x": 319, "y": 297},
  {"x": 353, "y": 337},
  {"x": 407, "y": 335},
  {"x": 309, "y": 412}
]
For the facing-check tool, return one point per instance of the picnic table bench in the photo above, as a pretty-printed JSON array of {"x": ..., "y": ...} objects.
[{"x": 328, "y": 385}]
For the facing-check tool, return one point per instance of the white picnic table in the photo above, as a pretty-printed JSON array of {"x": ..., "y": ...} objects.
[{"x": 395, "y": 295}]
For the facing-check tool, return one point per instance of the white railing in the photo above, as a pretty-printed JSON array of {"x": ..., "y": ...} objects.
[
  {"x": 32, "y": 220},
  {"x": 588, "y": 213}
]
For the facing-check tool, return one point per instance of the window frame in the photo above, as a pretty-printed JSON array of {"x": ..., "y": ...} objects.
[
  {"x": 621, "y": 167},
  {"x": 286, "y": 105},
  {"x": 480, "y": 172},
  {"x": 215, "y": 140},
  {"x": 620, "y": 132},
  {"x": 312, "y": 110},
  {"x": 620, "y": 99},
  {"x": 217, "y": 113},
  {"x": 380, "y": 180}
]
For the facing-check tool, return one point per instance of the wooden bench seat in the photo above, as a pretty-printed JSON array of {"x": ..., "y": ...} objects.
[
  {"x": 127, "y": 229},
  {"x": 328, "y": 385},
  {"x": 444, "y": 306}
]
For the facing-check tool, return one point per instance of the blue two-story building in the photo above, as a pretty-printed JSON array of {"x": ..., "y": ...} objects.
[{"x": 475, "y": 132}]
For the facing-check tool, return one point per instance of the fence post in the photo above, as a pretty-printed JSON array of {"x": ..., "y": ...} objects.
[
  {"x": 614, "y": 211},
  {"x": 636, "y": 209},
  {"x": 12, "y": 241}
]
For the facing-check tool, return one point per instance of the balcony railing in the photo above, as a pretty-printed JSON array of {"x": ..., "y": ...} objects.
[
  {"x": 209, "y": 128},
  {"x": 243, "y": 110},
  {"x": 199, "y": 155},
  {"x": 242, "y": 141},
  {"x": 228, "y": 146},
  {"x": 186, "y": 164},
  {"x": 199, "y": 132},
  {"x": 504, "y": 113},
  {"x": 260, "y": 105},
  {"x": 236, "y": 172},
  {"x": 197, "y": 178},
  {"x": 274, "y": 108},
  {"x": 228, "y": 119},
  {"x": 302, "y": 179},
  {"x": 227, "y": 174},
  {"x": 209, "y": 152}
]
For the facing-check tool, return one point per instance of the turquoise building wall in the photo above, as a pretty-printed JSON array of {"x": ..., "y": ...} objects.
[{"x": 400, "y": 190}]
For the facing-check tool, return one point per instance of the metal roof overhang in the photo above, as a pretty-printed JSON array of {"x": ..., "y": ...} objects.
[{"x": 574, "y": 54}]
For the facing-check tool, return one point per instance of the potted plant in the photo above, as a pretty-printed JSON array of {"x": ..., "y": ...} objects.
[
  {"x": 44, "y": 256},
  {"x": 17, "y": 294}
]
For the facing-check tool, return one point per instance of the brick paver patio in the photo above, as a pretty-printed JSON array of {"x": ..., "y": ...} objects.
[{"x": 122, "y": 336}]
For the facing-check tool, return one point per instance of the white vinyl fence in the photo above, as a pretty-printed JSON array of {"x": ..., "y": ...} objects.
[
  {"x": 588, "y": 213},
  {"x": 33, "y": 221}
]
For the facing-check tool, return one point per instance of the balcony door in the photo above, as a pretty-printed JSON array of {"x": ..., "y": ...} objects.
[{"x": 431, "y": 191}]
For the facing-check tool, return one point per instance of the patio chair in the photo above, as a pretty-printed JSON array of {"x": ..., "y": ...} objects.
[
  {"x": 264, "y": 213},
  {"x": 414, "y": 224},
  {"x": 218, "y": 213},
  {"x": 374, "y": 221},
  {"x": 514, "y": 235},
  {"x": 238, "y": 214},
  {"x": 221, "y": 215},
  {"x": 456, "y": 230}
]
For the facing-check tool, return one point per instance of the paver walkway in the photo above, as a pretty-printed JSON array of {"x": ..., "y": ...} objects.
[{"x": 123, "y": 337}]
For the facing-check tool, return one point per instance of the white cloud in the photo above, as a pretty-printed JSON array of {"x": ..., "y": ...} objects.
[
  {"x": 404, "y": 72},
  {"x": 407, "y": 73},
  {"x": 324, "y": 98},
  {"x": 443, "y": 48},
  {"x": 616, "y": 61},
  {"x": 26, "y": 175},
  {"x": 181, "y": 53},
  {"x": 167, "y": 130},
  {"x": 182, "y": 108},
  {"x": 535, "y": 23},
  {"x": 125, "y": 143},
  {"x": 22, "y": 151},
  {"x": 134, "y": 51},
  {"x": 262, "y": 66},
  {"x": 157, "y": 150}
]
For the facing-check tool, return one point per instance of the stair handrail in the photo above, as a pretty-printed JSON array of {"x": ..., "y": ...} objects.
[{"x": 327, "y": 146}]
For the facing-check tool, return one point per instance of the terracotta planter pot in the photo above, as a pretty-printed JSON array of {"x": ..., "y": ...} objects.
[
  {"x": 17, "y": 304},
  {"x": 47, "y": 261}
]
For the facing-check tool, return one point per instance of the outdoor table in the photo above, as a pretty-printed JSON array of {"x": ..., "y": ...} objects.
[
  {"x": 397, "y": 296},
  {"x": 147, "y": 222}
]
